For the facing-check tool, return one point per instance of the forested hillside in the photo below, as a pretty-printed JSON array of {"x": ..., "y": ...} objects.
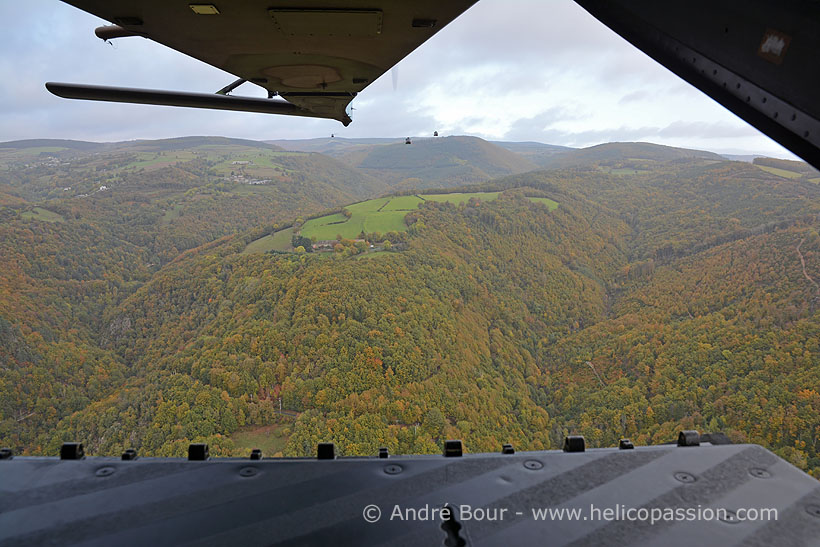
[
  {"x": 120, "y": 213},
  {"x": 679, "y": 291},
  {"x": 624, "y": 157},
  {"x": 437, "y": 162}
]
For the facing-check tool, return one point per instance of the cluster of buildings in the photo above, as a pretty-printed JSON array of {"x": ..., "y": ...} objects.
[{"x": 325, "y": 245}]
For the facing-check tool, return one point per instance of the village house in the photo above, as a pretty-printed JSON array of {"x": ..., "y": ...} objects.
[{"x": 324, "y": 245}]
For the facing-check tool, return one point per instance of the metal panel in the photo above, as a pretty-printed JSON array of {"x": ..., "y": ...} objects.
[
  {"x": 161, "y": 501},
  {"x": 757, "y": 58}
]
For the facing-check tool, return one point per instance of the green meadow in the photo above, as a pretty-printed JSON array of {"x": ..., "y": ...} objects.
[
  {"x": 376, "y": 215},
  {"x": 380, "y": 215},
  {"x": 460, "y": 197},
  {"x": 365, "y": 216},
  {"x": 279, "y": 241},
  {"x": 551, "y": 205},
  {"x": 38, "y": 213},
  {"x": 780, "y": 172}
]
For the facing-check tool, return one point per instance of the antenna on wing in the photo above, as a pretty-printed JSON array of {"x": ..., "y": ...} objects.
[{"x": 395, "y": 74}]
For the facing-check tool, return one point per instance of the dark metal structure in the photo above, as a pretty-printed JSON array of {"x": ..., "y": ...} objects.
[
  {"x": 611, "y": 496},
  {"x": 314, "y": 55},
  {"x": 758, "y": 58}
]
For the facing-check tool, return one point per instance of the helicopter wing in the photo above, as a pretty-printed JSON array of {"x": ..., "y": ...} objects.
[
  {"x": 756, "y": 58},
  {"x": 315, "y": 55}
]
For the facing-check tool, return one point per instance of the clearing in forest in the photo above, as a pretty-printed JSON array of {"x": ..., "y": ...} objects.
[{"x": 375, "y": 215}]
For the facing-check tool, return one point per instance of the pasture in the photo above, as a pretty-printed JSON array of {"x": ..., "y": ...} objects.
[
  {"x": 38, "y": 213},
  {"x": 365, "y": 216},
  {"x": 375, "y": 215},
  {"x": 785, "y": 173},
  {"x": 279, "y": 241},
  {"x": 460, "y": 197}
]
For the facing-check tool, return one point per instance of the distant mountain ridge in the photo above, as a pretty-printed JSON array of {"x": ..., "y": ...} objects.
[
  {"x": 387, "y": 164},
  {"x": 615, "y": 151},
  {"x": 537, "y": 152},
  {"x": 175, "y": 143},
  {"x": 51, "y": 143},
  {"x": 541, "y": 154},
  {"x": 332, "y": 146},
  {"x": 178, "y": 143},
  {"x": 438, "y": 162},
  {"x": 384, "y": 155}
]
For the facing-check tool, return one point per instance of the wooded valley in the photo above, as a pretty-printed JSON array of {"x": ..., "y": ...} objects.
[{"x": 669, "y": 289}]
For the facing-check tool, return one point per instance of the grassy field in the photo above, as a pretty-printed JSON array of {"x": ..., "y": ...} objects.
[
  {"x": 329, "y": 226},
  {"x": 780, "y": 172},
  {"x": 264, "y": 162},
  {"x": 280, "y": 241},
  {"x": 45, "y": 215},
  {"x": 35, "y": 150},
  {"x": 551, "y": 205},
  {"x": 267, "y": 438},
  {"x": 171, "y": 214},
  {"x": 403, "y": 203},
  {"x": 376, "y": 215},
  {"x": 366, "y": 216},
  {"x": 460, "y": 197},
  {"x": 147, "y": 160}
]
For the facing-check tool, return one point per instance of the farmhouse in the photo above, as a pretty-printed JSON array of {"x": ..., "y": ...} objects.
[{"x": 324, "y": 245}]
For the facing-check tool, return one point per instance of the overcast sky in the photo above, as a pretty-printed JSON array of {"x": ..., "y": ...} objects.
[{"x": 516, "y": 70}]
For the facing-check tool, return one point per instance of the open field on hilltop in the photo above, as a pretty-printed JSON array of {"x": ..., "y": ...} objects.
[
  {"x": 335, "y": 218},
  {"x": 329, "y": 226},
  {"x": 171, "y": 214},
  {"x": 262, "y": 159},
  {"x": 35, "y": 150},
  {"x": 780, "y": 172},
  {"x": 403, "y": 203},
  {"x": 460, "y": 197},
  {"x": 365, "y": 216},
  {"x": 551, "y": 204},
  {"x": 148, "y": 160},
  {"x": 11, "y": 156},
  {"x": 38, "y": 213},
  {"x": 376, "y": 215},
  {"x": 279, "y": 241},
  {"x": 19, "y": 153},
  {"x": 369, "y": 206},
  {"x": 262, "y": 162},
  {"x": 389, "y": 221}
]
